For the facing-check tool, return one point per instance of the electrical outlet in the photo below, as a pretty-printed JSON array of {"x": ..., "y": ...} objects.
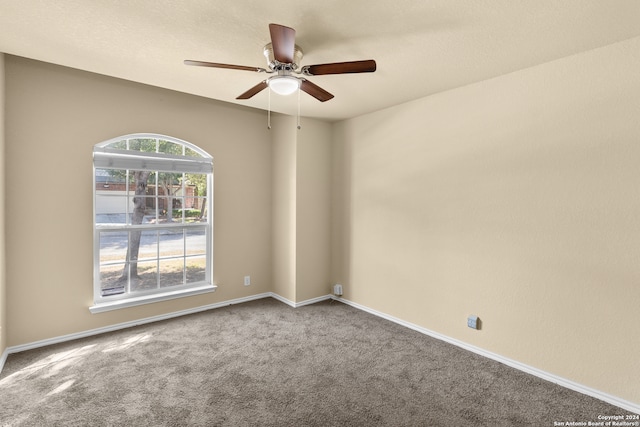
[
  {"x": 247, "y": 280},
  {"x": 472, "y": 322},
  {"x": 337, "y": 289}
]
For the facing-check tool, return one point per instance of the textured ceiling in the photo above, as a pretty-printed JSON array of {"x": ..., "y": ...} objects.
[{"x": 422, "y": 47}]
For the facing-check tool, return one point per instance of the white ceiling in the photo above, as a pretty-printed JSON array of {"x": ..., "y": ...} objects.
[{"x": 421, "y": 47}]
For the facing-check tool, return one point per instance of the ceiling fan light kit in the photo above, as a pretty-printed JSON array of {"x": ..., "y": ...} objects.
[
  {"x": 284, "y": 58},
  {"x": 283, "y": 85}
]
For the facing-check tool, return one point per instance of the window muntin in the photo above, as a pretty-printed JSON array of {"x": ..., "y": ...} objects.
[{"x": 152, "y": 217}]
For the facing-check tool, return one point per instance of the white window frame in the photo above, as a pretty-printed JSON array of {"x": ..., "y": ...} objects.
[{"x": 106, "y": 157}]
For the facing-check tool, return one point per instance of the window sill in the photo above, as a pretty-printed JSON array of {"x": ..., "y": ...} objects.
[{"x": 148, "y": 299}]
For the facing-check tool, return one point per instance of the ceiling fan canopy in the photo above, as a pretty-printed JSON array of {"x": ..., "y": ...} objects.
[{"x": 284, "y": 59}]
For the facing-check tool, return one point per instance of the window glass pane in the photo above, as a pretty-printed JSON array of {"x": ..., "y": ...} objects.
[
  {"x": 142, "y": 205},
  {"x": 113, "y": 246},
  {"x": 110, "y": 179},
  {"x": 179, "y": 214},
  {"x": 169, "y": 188},
  {"x": 188, "y": 196},
  {"x": 196, "y": 242},
  {"x": 196, "y": 269},
  {"x": 111, "y": 281},
  {"x": 171, "y": 243},
  {"x": 111, "y": 196},
  {"x": 190, "y": 153},
  {"x": 113, "y": 253},
  {"x": 199, "y": 212},
  {"x": 120, "y": 145},
  {"x": 141, "y": 185},
  {"x": 147, "y": 145},
  {"x": 171, "y": 179},
  {"x": 171, "y": 272},
  {"x": 162, "y": 204},
  {"x": 146, "y": 278},
  {"x": 191, "y": 215},
  {"x": 111, "y": 209},
  {"x": 169, "y": 147},
  {"x": 143, "y": 210},
  {"x": 198, "y": 182},
  {"x": 148, "y": 245}
]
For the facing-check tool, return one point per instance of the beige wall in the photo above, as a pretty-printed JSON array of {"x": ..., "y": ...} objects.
[
  {"x": 514, "y": 199},
  {"x": 302, "y": 214},
  {"x": 3, "y": 300},
  {"x": 313, "y": 209},
  {"x": 54, "y": 118},
  {"x": 283, "y": 143}
]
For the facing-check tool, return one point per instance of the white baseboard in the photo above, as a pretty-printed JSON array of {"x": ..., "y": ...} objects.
[
  {"x": 301, "y": 303},
  {"x": 284, "y": 300},
  {"x": 613, "y": 400},
  {"x": 3, "y": 358}
]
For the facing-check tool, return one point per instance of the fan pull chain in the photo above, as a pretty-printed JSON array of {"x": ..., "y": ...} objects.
[
  {"x": 269, "y": 111},
  {"x": 298, "y": 107}
]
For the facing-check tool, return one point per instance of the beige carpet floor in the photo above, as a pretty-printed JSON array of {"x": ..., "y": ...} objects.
[{"x": 264, "y": 363}]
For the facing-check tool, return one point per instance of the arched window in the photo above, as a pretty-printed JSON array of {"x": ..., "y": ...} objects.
[{"x": 152, "y": 220}]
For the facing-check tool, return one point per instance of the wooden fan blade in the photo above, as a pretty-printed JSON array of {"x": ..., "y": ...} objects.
[
  {"x": 283, "y": 41},
  {"x": 229, "y": 66},
  {"x": 257, "y": 88},
  {"x": 367, "y": 66},
  {"x": 316, "y": 91}
]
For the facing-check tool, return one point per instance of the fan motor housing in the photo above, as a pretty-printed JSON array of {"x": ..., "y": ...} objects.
[{"x": 275, "y": 65}]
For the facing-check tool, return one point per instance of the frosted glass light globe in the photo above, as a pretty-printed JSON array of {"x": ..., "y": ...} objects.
[{"x": 284, "y": 85}]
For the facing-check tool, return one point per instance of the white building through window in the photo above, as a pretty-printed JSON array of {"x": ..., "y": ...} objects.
[{"x": 152, "y": 220}]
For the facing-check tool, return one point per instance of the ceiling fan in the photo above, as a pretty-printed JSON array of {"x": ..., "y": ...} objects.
[{"x": 283, "y": 59}]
